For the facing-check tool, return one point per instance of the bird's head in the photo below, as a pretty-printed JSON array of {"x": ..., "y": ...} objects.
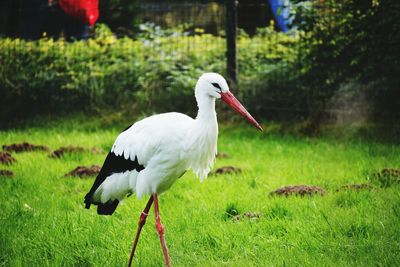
[{"x": 215, "y": 86}]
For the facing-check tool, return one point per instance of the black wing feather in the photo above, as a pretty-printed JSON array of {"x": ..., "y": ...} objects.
[{"x": 112, "y": 164}]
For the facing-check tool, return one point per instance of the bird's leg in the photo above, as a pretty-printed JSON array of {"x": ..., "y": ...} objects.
[
  {"x": 142, "y": 221},
  {"x": 160, "y": 230}
]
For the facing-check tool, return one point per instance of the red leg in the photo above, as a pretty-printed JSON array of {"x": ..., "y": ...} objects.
[
  {"x": 142, "y": 221},
  {"x": 160, "y": 230}
]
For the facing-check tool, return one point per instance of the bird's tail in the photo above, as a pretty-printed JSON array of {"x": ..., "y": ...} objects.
[
  {"x": 107, "y": 208},
  {"x": 88, "y": 200}
]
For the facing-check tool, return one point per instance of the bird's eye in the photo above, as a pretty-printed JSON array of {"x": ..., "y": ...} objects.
[{"x": 216, "y": 85}]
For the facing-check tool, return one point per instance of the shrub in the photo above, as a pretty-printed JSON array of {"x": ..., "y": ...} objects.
[
  {"x": 156, "y": 74},
  {"x": 354, "y": 41}
]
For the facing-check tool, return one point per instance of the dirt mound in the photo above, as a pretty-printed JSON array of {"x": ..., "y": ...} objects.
[
  {"x": 386, "y": 177},
  {"x": 222, "y": 155},
  {"x": 25, "y": 146},
  {"x": 58, "y": 153},
  {"x": 226, "y": 170},
  {"x": 248, "y": 214},
  {"x": 355, "y": 187},
  {"x": 390, "y": 172},
  {"x": 83, "y": 171},
  {"x": 6, "y": 173},
  {"x": 6, "y": 158},
  {"x": 301, "y": 190}
]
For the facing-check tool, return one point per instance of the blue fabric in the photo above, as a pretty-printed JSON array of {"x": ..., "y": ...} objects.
[{"x": 281, "y": 11}]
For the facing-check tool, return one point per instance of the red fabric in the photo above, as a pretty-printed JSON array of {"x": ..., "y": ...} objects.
[{"x": 87, "y": 11}]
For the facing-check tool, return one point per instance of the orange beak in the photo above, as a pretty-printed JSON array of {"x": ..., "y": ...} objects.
[{"x": 231, "y": 100}]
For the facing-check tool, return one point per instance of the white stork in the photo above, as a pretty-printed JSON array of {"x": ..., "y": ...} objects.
[{"x": 149, "y": 156}]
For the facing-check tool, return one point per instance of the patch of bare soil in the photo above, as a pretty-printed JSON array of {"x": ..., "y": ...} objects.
[
  {"x": 300, "y": 190},
  {"x": 355, "y": 187},
  {"x": 247, "y": 215},
  {"x": 6, "y": 173},
  {"x": 390, "y": 172},
  {"x": 95, "y": 150},
  {"x": 222, "y": 155},
  {"x": 24, "y": 146},
  {"x": 83, "y": 171},
  {"x": 6, "y": 158},
  {"x": 226, "y": 170},
  {"x": 58, "y": 153},
  {"x": 386, "y": 177}
]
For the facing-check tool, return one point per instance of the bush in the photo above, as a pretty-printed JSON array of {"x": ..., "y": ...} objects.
[
  {"x": 342, "y": 51},
  {"x": 155, "y": 75},
  {"x": 353, "y": 42}
]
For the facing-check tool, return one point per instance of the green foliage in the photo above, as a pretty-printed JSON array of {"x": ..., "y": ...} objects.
[
  {"x": 353, "y": 41},
  {"x": 231, "y": 210},
  {"x": 342, "y": 51},
  {"x": 278, "y": 212},
  {"x": 44, "y": 222},
  {"x": 385, "y": 178},
  {"x": 155, "y": 72}
]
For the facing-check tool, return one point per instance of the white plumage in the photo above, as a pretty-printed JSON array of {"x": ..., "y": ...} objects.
[{"x": 166, "y": 145}]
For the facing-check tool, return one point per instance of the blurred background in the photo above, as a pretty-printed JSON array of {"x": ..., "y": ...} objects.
[{"x": 308, "y": 62}]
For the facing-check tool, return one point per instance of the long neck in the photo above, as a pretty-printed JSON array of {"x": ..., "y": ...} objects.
[
  {"x": 203, "y": 136},
  {"x": 206, "y": 120},
  {"x": 206, "y": 113}
]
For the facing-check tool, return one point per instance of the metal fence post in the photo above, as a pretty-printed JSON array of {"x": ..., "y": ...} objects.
[{"x": 231, "y": 34}]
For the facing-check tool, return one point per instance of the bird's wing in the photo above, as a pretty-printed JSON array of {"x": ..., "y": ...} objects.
[
  {"x": 139, "y": 143},
  {"x": 114, "y": 164},
  {"x": 151, "y": 136}
]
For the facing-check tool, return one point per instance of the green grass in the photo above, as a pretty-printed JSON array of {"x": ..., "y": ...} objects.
[{"x": 43, "y": 221}]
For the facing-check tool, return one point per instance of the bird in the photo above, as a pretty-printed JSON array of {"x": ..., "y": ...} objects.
[{"x": 149, "y": 156}]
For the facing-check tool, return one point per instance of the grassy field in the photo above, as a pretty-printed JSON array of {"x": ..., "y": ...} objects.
[{"x": 43, "y": 221}]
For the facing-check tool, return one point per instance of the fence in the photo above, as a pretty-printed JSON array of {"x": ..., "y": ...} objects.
[
  {"x": 240, "y": 39},
  {"x": 169, "y": 30},
  {"x": 217, "y": 18}
]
